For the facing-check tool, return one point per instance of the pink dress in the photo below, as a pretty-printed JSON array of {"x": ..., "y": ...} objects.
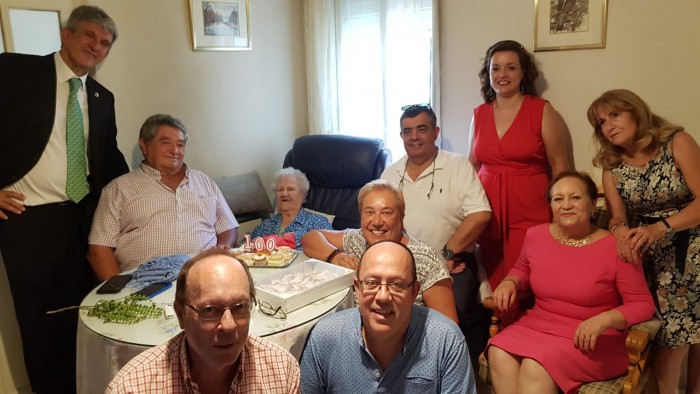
[
  {"x": 572, "y": 284},
  {"x": 514, "y": 173}
]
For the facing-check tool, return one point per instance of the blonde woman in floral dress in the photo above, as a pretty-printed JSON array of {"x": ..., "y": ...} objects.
[{"x": 651, "y": 168}]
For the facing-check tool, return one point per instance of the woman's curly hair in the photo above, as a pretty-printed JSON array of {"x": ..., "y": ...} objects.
[{"x": 527, "y": 64}]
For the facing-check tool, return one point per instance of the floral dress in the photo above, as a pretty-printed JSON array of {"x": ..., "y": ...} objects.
[
  {"x": 430, "y": 266},
  {"x": 659, "y": 190}
]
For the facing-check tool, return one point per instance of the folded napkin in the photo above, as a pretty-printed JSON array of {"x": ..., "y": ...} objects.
[
  {"x": 160, "y": 269},
  {"x": 283, "y": 240}
]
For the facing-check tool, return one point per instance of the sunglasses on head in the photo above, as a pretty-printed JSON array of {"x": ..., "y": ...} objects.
[{"x": 416, "y": 106}]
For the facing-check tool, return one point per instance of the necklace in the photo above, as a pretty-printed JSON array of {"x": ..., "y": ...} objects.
[{"x": 576, "y": 243}]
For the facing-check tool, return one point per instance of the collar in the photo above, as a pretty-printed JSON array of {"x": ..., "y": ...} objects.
[
  {"x": 301, "y": 215},
  {"x": 153, "y": 173},
  {"x": 184, "y": 363},
  {"x": 440, "y": 162},
  {"x": 409, "y": 332},
  {"x": 186, "y": 372},
  {"x": 63, "y": 72}
]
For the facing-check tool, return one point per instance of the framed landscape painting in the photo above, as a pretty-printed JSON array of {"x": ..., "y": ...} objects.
[{"x": 222, "y": 25}]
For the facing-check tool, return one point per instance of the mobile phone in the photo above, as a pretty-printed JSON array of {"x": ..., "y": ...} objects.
[
  {"x": 114, "y": 284},
  {"x": 154, "y": 289}
]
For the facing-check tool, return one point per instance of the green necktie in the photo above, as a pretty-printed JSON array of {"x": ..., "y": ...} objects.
[{"x": 76, "y": 181}]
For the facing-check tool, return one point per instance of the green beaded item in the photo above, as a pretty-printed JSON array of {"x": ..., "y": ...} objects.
[{"x": 129, "y": 310}]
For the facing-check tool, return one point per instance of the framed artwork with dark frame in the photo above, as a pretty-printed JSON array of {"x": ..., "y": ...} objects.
[
  {"x": 221, "y": 25},
  {"x": 570, "y": 24}
]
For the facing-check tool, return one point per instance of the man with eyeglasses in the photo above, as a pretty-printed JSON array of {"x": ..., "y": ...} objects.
[
  {"x": 382, "y": 210},
  {"x": 214, "y": 353},
  {"x": 387, "y": 344},
  {"x": 447, "y": 208}
]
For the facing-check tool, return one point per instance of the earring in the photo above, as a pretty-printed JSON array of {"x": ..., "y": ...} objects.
[{"x": 522, "y": 88}]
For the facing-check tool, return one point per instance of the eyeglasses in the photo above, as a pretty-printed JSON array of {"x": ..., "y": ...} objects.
[
  {"x": 372, "y": 286},
  {"x": 432, "y": 180},
  {"x": 213, "y": 313},
  {"x": 268, "y": 310},
  {"x": 416, "y": 106}
]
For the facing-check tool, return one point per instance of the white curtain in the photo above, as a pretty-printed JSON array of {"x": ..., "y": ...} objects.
[
  {"x": 365, "y": 60},
  {"x": 321, "y": 65}
]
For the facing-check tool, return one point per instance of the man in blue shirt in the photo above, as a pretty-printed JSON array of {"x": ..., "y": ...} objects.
[{"x": 387, "y": 344}]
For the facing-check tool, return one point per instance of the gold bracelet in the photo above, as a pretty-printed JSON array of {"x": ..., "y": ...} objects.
[
  {"x": 662, "y": 229},
  {"x": 614, "y": 226}
]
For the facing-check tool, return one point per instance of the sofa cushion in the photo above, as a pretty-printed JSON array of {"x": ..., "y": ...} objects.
[{"x": 245, "y": 195}]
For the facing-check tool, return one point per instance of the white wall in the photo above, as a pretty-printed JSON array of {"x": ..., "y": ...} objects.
[
  {"x": 243, "y": 108},
  {"x": 653, "y": 48},
  {"x": 13, "y": 376}
]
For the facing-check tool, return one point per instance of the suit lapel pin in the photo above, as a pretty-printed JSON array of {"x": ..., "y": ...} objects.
[{"x": 97, "y": 94}]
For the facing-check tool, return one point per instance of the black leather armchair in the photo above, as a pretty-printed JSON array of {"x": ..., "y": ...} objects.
[{"x": 337, "y": 167}]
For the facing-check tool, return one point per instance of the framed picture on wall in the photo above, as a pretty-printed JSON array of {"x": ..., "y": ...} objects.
[
  {"x": 222, "y": 25},
  {"x": 34, "y": 32},
  {"x": 570, "y": 24}
]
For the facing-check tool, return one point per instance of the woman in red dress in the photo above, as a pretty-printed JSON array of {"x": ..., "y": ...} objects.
[{"x": 518, "y": 143}]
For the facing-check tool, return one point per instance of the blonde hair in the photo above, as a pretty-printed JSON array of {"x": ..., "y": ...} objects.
[
  {"x": 653, "y": 131},
  {"x": 379, "y": 185}
]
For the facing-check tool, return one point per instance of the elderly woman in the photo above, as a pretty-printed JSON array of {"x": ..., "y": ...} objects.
[
  {"x": 652, "y": 168},
  {"x": 291, "y": 187},
  {"x": 382, "y": 210},
  {"x": 585, "y": 298}
]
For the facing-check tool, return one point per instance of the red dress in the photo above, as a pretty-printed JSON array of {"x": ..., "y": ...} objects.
[
  {"x": 514, "y": 173},
  {"x": 572, "y": 284}
]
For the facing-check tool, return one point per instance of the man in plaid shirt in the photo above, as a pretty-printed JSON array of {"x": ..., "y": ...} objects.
[{"x": 214, "y": 353}]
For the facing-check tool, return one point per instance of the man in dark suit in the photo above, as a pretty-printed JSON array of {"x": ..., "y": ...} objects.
[{"x": 43, "y": 225}]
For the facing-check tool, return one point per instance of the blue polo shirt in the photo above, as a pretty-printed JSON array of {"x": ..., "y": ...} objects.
[{"x": 434, "y": 358}]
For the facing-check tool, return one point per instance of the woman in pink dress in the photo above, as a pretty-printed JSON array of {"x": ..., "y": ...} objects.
[
  {"x": 518, "y": 142},
  {"x": 585, "y": 298}
]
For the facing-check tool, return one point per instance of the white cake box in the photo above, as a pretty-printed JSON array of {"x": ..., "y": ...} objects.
[{"x": 295, "y": 301}]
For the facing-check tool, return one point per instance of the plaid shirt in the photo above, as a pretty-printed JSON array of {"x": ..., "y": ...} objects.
[
  {"x": 143, "y": 219},
  {"x": 266, "y": 368}
]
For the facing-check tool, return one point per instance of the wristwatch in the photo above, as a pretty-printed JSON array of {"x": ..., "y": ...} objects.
[
  {"x": 670, "y": 232},
  {"x": 447, "y": 253}
]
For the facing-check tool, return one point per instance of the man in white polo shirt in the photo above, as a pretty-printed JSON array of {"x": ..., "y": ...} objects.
[{"x": 446, "y": 207}]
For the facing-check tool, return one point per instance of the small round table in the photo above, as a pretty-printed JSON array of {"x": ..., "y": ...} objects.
[{"x": 103, "y": 348}]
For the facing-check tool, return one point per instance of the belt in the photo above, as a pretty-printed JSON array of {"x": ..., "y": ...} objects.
[
  {"x": 680, "y": 242},
  {"x": 61, "y": 204}
]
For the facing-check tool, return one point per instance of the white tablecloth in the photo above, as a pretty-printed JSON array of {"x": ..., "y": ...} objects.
[{"x": 103, "y": 348}]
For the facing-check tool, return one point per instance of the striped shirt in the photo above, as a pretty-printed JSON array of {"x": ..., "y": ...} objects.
[
  {"x": 165, "y": 369},
  {"x": 142, "y": 219}
]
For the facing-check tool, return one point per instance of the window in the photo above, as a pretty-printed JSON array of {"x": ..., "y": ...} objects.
[{"x": 379, "y": 58}]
